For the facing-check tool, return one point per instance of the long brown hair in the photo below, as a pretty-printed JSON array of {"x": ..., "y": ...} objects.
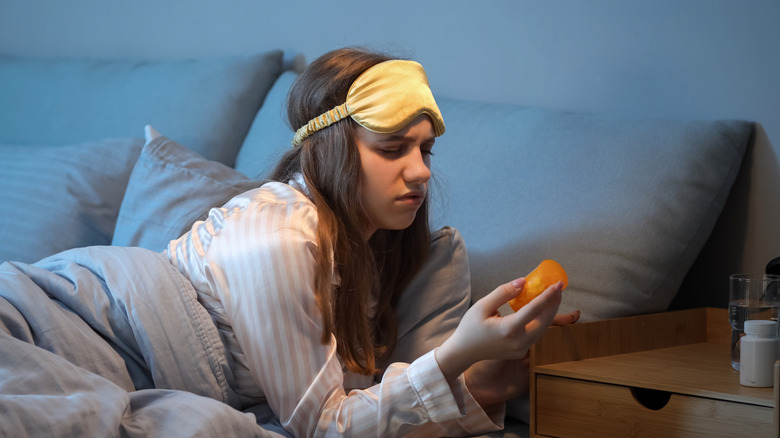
[{"x": 330, "y": 164}]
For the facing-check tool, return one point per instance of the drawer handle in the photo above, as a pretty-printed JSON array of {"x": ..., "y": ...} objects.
[{"x": 651, "y": 398}]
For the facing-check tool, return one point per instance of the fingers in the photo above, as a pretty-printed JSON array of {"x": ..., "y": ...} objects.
[
  {"x": 501, "y": 295},
  {"x": 540, "y": 311},
  {"x": 550, "y": 297},
  {"x": 566, "y": 318}
]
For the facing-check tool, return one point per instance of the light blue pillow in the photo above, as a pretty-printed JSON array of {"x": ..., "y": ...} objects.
[
  {"x": 54, "y": 198},
  {"x": 625, "y": 205},
  {"x": 169, "y": 188},
  {"x": 208, "y": 104},
  {"x": 270, "y": 135}
]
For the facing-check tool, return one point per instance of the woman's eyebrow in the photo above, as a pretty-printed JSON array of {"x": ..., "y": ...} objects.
[
  {"x": 394, "y": 138},
  {"x": 391, "y": 138}
]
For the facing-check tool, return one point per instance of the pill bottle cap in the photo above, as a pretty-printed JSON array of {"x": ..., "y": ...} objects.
[{"x": 760, "y": 327}]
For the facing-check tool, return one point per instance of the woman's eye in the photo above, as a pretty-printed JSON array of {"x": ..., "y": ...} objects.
[{"x": 391, "y": 152}]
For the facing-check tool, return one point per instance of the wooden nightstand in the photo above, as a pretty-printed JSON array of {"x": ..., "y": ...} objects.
[{"x": 660, "y": 375}]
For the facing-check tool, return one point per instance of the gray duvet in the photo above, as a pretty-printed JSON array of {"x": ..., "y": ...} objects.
[{"x": 111, "y": 341}]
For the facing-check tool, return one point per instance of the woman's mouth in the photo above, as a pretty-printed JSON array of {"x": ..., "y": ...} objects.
[{"x": 412, "y": 198}]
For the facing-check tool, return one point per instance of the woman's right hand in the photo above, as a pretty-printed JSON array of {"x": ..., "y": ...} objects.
[{"x": 484, "y": 334}]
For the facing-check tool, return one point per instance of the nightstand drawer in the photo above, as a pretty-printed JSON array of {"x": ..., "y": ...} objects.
[{"x": 567, "y": 407}]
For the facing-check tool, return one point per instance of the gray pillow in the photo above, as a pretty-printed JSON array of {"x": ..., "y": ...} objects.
[
  {"x": 625, "y": 205},
  {"x": 169, "y": 188},
  {"x": 208, "y": 104},
  {"x": 54, "y": 198}
]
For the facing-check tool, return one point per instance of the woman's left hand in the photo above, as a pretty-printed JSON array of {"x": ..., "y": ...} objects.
[
  {"x": 566, "y": 318},
  {"x": 495, "y": 381}
]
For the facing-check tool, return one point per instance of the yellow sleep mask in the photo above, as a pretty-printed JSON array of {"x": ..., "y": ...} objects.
[{"x": 383, "y": 99}]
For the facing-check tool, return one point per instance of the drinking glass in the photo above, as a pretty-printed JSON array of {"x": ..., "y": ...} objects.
[{"x": 751, "y": 296}]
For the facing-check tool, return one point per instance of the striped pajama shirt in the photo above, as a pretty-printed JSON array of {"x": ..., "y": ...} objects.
[{"x": 252, "y": 264}]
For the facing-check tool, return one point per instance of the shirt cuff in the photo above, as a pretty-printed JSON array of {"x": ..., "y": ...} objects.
[
  {"x": 432, "y": 389},
  {"x": 452, "y": 406}
]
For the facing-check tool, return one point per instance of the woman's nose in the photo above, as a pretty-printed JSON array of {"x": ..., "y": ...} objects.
[{"x": 418, "y": 168}]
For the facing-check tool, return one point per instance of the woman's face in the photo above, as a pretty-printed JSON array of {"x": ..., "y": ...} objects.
[{"x": 395, "y": 169}]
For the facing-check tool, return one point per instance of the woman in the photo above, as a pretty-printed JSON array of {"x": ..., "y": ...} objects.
[{"x": 302, "y": 274}]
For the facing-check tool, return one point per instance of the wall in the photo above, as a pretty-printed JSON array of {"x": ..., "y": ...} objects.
[{"x": 665, "y": 58}]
